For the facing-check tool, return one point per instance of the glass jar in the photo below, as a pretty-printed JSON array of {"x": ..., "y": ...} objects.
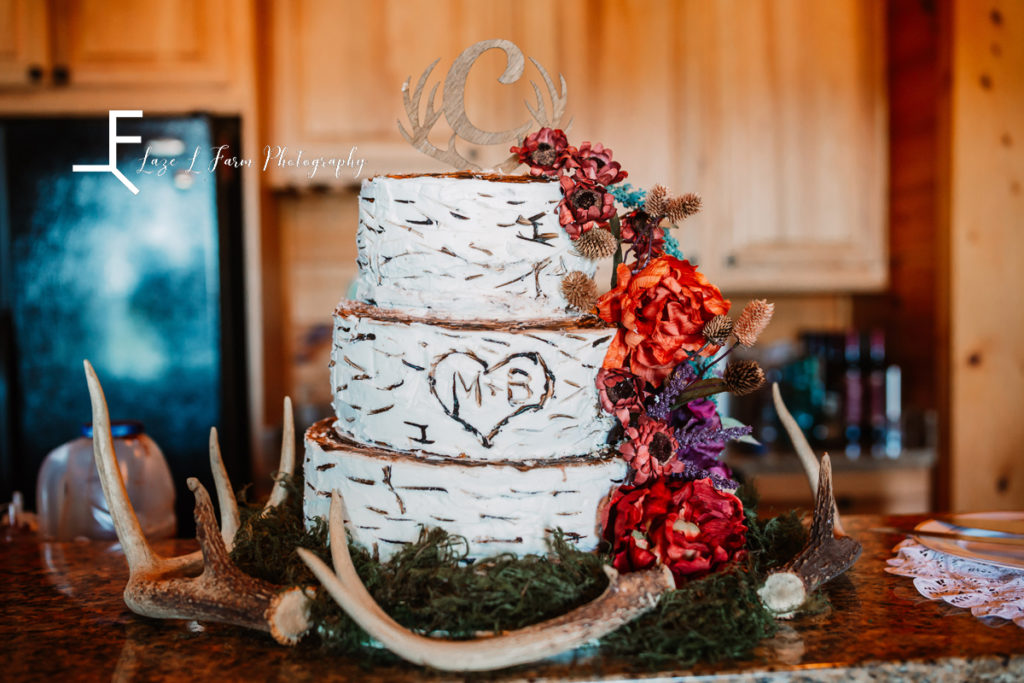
[{"x": 69, "y": 496}]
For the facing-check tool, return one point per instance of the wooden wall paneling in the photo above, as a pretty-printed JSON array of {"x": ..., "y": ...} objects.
[{"x": 986, "y": 243}]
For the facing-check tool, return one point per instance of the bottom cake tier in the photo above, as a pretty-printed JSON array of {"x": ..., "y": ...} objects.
[{"x": 497, "y": 506}]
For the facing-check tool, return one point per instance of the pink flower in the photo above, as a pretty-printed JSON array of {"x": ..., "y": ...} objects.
[
  {"x": 585, "y": 205},
  {"x": 650, "y": 450},
  {"x": 621, "y": 393},
  {"x": 543, "y": 151},
  {"x": 594, "y": 162}
]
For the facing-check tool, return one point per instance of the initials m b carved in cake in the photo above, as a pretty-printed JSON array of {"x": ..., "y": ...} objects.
[{"x": 472, "y": 392}]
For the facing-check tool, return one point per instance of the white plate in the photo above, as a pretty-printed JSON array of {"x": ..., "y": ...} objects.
[{"x": 979, "y": 551}]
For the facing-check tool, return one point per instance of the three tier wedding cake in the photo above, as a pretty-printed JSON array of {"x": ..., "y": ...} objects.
[{"x": 463, "y": 383}]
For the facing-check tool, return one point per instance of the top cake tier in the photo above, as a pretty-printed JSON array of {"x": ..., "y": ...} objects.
[{"x": 465, "y": 246}]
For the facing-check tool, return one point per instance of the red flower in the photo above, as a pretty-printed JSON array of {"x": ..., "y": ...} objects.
[
  {"x": 660, "y": 312},
  {"x": 651, "y": 450},
  {"x": 594, "y": 162},
  {"x": 584, "y": 206},
  {"x": 690, "y": 527},
  {"x": 635, "y": 230},
  {"x": 621, "y": 393},
  {"x": 543, "y": 152}
]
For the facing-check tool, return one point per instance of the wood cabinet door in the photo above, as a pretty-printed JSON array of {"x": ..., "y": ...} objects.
[
  {"x": 24, "y": 44},
  {"x": 782, "y": 129},
  {"x": 144, "y": 42}
]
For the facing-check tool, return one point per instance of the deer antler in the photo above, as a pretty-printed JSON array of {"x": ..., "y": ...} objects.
[
  {"x": 829, "y": 552},
  {"x": 803, "y": 450},
  {"x": 626, "y": 598},
  {"x": 454, "y": 106},
  {"x": 162, "y": 587}
]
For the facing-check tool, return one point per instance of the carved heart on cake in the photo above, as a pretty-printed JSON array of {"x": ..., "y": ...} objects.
[{"x": 484, "y": 397}]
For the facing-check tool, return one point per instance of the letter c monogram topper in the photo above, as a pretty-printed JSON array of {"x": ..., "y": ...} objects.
[{"x": 453, "y": 107}]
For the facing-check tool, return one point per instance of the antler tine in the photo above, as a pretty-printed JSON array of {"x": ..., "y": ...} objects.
[
  {"x": 279, "y": 494},
  {"x": 540, "y": 113},
  {"x": 137, "y": 551},
  {"x": 829, "y": 552},
  {"x": 412, "y": 103},
  {"x": 229, "y": 518},
  {"x": 558, "y": 101},
  {"x": 802, "y": 448},
  {"x": 625, "y": 598},
  {"x": 139, "y": 554}
]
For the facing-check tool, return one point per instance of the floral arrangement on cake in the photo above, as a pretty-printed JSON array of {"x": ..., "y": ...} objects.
[{"x": 661, "y": 370}]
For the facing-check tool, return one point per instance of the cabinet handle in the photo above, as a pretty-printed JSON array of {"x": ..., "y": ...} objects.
[
  {"x": 61, "y": 75},
  {"x": 730, "y": 261},
  {"x": 35, "y": 74}
]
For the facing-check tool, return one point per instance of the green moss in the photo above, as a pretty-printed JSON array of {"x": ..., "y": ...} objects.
[
  {"x": 710, "y": 619},
  {"x": 430, "y": 587}
]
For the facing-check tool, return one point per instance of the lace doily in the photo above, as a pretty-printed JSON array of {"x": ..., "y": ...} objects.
[{"x": 986, "y": 589}]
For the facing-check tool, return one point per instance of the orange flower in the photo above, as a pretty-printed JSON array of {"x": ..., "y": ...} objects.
[{"x": 660, "y": 312}]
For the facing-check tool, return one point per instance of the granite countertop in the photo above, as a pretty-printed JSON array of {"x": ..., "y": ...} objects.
[{"x": 63, "y": 616}]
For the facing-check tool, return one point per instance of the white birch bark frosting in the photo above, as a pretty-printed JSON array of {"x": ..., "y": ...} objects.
[
  {"x": 465, "y": 246},
  {"x": 497, "y": 507},
  {"x": 464, "y": 388},
  {"x": 494, "y": 391}
]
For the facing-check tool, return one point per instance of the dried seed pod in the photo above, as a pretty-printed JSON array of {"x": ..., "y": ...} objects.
[
  {"x": 717, "y": 330},
  {"x": 580, "y": 291},
  {"x": 752, "y": 321},
  {"x": 596, "y": 244},
  {"x": 678, "y": 208},
  {"x": 743, "y": 377},
  {"x": 656, "y": 201}
]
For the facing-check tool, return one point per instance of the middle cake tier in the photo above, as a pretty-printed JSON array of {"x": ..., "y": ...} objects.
[{"x": 516, "y": 391}]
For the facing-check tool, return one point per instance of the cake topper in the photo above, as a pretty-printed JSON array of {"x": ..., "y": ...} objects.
[{"x": 453, "y": 106}]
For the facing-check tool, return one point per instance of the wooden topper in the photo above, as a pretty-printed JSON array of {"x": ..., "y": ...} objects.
[{"x": 454, "y": 107}]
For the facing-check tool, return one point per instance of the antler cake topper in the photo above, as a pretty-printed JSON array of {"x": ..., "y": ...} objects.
[{"x": 453, "y": 106}]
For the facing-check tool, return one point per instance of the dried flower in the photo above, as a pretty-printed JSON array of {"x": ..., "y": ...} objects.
[
  {"x": 579, "y": 290},
  {"x": 661, "y": 311},
  {"x": 594, "y": 162},
  {"x": 543, "y": 151},
  {"x": 743, "y": 377},
  {"x": 702, "y": 438},
  {"x": 656, "y": 201},
  {"x": 755, "y": 317},
  {"x": 718, "y": 329},
  {"x": 621, "y": 393},
  {"x": 678, "y": 208},
  {"x": 642, "y": 231},
  {"x": 585, "y": 205},
  {"x": 650, "y": 450},
  {"x": 628, "y": 196},
  {"x": 597, "y": 244},
  {"x": 689, "y": 526},
  {"x": 662, "y": 407}
]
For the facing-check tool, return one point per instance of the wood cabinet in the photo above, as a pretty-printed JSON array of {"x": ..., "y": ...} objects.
[
  {"x": 784, "y": 135},
  {"x": 155, "y": 42},
  {"x": 24, "y": 43},
  {"x": 96, "y": 44},
  {"x": 773, "y": 111}
]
